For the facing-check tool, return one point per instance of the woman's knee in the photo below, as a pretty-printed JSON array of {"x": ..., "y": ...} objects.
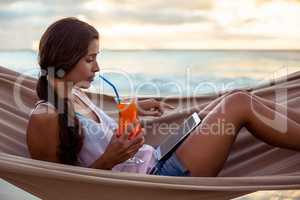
[
  {"x": 239, "y": 96},
  {"x": 239, "y": 100},
  {"x": 238, "y": 92}
]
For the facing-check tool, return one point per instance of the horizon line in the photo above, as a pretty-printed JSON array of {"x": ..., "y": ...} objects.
[{"x": 166, "y": 49}]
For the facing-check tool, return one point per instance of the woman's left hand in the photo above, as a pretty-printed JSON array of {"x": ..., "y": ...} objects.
[{"x": 152, "y": 107}]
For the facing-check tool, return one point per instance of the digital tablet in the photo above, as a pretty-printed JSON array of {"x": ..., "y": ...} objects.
[{"x": 171, "y": 142}]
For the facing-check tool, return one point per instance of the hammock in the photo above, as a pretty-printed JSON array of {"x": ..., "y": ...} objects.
[{"x": 251, "y": 166}]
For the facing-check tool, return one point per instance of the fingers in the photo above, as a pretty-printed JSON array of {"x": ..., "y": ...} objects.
[
  {"x": 162, "y": 105},
  {"x": 152, "y": 107},
  {"x": 131, "y": 147},
  {"x": 135, "y": 146},
  {"x": 131, "y": 130},
  {"x": 166, "y": 105},
  {"x": 139, "y": 139},
  {"x": 128, "y": 131},
  {"x": 158, "y": 108},
  {"x": 116, "y": 134},
  {"x": 153, "y": 112}
]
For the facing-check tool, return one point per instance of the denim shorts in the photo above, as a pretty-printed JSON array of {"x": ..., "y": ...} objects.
[{"x": 170, "y": 167}]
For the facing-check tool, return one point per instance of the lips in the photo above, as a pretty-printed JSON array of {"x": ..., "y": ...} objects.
[{"x": 91, "y": 78}]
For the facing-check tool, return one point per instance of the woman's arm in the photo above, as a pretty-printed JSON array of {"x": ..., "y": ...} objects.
[{"x": 43, "y": 134}]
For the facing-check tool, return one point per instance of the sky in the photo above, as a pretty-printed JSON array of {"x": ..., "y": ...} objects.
[{"x": 159, "y": 24}]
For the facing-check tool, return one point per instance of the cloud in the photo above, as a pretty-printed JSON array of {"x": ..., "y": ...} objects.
[
  {"x": 23, "y": 22},
  {"x": 203, "y": 5},
  {"x": 163, "y": 16},
  {"x": 159, "y": 24},
  {"x": 260, "y": 2},
  {"x": 125, "y": 11},
  {"x": 147, "y": 12}
]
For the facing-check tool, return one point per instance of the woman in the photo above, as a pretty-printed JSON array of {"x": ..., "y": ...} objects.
[{"x": 66, "y": 127}]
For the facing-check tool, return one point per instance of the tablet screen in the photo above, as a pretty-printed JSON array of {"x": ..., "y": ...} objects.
[{"x": 178, "y": 136}]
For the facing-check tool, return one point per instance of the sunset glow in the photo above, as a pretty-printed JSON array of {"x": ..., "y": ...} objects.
[{"x": 156, "y": 24}]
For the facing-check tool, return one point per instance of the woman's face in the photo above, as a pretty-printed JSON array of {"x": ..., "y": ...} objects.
[{"x": 84, "y": 71}]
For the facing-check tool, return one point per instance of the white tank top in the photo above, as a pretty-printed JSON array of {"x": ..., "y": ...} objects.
[{"x": 98, "y": 135}]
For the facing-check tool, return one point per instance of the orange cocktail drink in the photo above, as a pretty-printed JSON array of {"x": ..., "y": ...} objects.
[{"x": 128, "y": 115}]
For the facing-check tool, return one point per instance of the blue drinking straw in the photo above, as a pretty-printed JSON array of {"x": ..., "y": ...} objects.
[{"x": 114, "y": 88}]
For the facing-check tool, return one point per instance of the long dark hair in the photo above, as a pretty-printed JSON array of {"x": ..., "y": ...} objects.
[{"x": 62, "y": 45}]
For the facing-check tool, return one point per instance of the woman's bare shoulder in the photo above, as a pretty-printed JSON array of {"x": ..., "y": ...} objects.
[
  {"x": 43, "y": 114},
  {"x": 43, "y": 133}
]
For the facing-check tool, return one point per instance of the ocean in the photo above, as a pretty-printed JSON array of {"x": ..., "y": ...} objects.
[{"x": 175, "y": 72}]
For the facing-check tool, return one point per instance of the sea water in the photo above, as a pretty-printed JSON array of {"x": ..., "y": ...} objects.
[{"x": 175, "y": 72}]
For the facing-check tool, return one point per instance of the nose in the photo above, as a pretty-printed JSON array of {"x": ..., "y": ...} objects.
[{"x": 96, "y": 67}]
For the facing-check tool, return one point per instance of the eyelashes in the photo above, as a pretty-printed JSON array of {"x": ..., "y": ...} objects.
[{"x": 90, "y": 60}]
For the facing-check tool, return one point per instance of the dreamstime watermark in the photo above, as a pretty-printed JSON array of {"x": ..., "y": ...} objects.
[
  {"x": 279, "y": 96},
  {"x": 218, "y": 128},
  {"x": 279, "y": 122}
]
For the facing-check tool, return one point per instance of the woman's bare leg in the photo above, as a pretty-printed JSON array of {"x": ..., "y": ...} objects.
[
  {"x": 283, "y": 107},
  {"x": 206, "y": 149},
  {"x": 205, "y": 109}
]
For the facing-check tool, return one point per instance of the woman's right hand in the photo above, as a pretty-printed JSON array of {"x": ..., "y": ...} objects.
[{"x": 123, "y": 147}]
